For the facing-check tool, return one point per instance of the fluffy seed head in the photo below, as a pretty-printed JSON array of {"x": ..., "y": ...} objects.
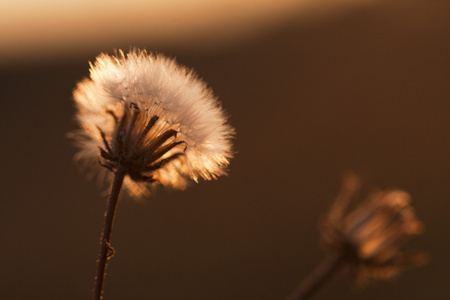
[{"x": 153, "y": 118}]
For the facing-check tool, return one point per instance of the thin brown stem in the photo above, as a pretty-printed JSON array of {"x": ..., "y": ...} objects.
[
  {"x": 317, "y": 278},
  {"x": 106, "y": 251}
]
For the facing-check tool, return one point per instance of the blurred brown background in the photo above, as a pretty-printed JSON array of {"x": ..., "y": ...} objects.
[{"x": 313, "y": 91}]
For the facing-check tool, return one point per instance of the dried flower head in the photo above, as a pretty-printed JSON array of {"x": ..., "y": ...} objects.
[
  {"x": 370, "y": 235},
  {"x": 152, "y": 118}
]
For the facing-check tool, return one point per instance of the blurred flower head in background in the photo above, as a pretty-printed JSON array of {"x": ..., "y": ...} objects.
[
  {"x": 153, "y": 119},
  {"x": 369, "y": 236}
]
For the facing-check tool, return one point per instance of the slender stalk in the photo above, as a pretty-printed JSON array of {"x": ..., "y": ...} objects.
[
  {"x": 106, "y": 250},
  {"x": 324, "y": 271}
]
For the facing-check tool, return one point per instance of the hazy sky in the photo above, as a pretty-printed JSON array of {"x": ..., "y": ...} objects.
[{"x": 40, "y": 28}]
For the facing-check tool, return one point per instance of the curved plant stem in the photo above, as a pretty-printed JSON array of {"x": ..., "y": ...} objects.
[
  {"x": 106, "y": 251},
  {"x": 317, "y": 278}
]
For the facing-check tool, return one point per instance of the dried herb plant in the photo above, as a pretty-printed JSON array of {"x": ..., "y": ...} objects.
[
  {"x": 149, "y": 122},
  {"x": 365, "y": 238}
]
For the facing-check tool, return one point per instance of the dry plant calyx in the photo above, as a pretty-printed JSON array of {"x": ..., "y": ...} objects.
[{"x": 370, "y": 235}]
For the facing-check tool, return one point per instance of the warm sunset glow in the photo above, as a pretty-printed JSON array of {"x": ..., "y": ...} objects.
[{"x": 49, "y": 28}]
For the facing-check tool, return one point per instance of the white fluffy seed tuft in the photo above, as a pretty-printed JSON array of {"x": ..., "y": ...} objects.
[{"x": 157, "y": 86}]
